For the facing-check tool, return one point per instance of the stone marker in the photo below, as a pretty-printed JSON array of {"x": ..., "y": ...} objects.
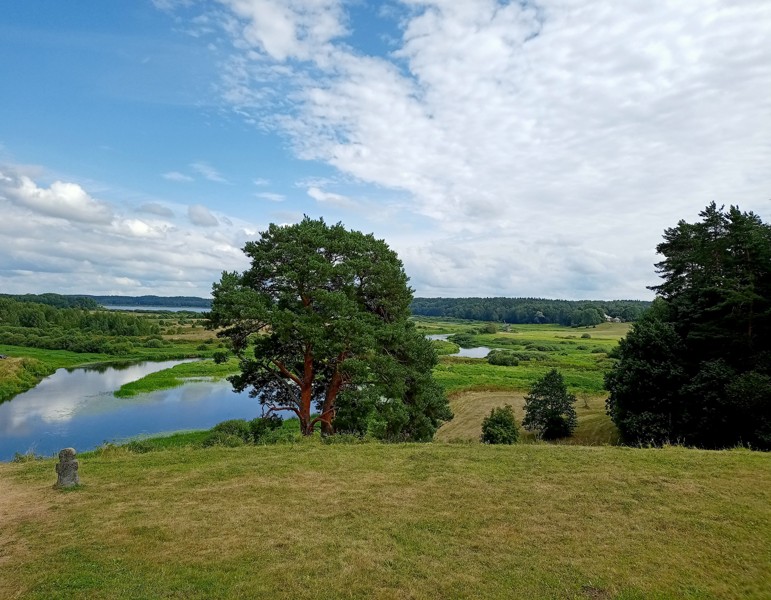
[{"x": 67, "y": 469}]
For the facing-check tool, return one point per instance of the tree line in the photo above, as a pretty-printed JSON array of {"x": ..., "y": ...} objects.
[
  {"x": 531, "y": 310},
  {"x": 26, "y": 323}
]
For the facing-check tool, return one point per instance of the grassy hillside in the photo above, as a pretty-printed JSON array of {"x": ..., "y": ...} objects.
[{"x": 391, "y": 521}]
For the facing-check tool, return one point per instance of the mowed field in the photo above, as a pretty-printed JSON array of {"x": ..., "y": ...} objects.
[{"x": 412, "y": 521}]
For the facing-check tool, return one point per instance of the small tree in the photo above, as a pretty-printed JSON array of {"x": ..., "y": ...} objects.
[
  {"x": 500, "y": 426},
  {"x": 549, "y": 409}
]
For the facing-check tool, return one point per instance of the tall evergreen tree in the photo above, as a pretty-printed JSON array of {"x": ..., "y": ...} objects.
[
  {"x": 549, "y": 408},
  {"x": 697, "y": 368}
]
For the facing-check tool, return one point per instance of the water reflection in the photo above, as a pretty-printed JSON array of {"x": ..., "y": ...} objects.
[{"x": 77, "y": 408}]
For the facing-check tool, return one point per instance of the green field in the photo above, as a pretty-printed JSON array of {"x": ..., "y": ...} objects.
[{"x": 312, "y": 520}]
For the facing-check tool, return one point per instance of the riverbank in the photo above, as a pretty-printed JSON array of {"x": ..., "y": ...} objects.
[{"x": 311, "y": 520}]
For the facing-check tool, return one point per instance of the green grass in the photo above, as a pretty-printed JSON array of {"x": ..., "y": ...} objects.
[
  {"x": 310, "y": 520},
  {"x": 178, "y": 375}
]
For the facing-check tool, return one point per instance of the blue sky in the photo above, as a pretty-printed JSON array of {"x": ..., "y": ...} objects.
[{"x": 502, "y": 149}]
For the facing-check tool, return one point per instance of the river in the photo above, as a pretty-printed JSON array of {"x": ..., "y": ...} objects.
[
  {"x": 478, "y": 352},
  {"x": 77, "y": 408}
]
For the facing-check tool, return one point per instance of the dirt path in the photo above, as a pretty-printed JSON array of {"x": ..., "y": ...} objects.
[{"x": 471, "y": 408}]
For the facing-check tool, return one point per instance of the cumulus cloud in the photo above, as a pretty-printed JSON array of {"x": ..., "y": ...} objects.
[
  {"x": 127, "y": 255},
  {"x": 200, "y": 215},
  {"x": 63, "y": 200}
]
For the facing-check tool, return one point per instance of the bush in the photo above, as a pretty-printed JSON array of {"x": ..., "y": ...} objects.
[
  {"x": 220, "y": 438},
  {"x": 502, "y": 358},
  {"x": 260, "y": 426},
  {"x": 500, "y": 426},
  {"x": 464, "y": 340},
  {"x": 585, "y": 336},
  {"x": 237, "y": 427}
]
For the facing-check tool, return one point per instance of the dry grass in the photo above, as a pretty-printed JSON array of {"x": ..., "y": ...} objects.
[
  {"x": 400, "y": 521},
  {"x": 470, "y": 408}
]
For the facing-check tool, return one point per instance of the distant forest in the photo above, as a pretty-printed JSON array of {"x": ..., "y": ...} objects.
[
  {"x": 531, "y": 310},
  {"x": 140, "y": 301}
]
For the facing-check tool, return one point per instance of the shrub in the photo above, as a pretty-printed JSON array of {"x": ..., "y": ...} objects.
[
  {"x": 220, "y": 438},
  {"x": 500, "y": 426},
  {"x": 237, "y": 427},
  {"x": 502, "y": 358},
  {"x": 586, "y": 336},
  {"x": 260, "y": 426},
  {"x": 490, "y": 328}
]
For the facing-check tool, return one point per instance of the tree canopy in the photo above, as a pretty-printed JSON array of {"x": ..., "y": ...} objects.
[
  {"x": 320, "y": 323},
  {"x": 697, "y": 367}
]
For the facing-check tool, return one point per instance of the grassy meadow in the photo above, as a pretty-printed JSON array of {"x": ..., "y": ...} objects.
[
  {"x": 307, "y": 518},
  {"x": 475, "y": 387},
  {"x": 314, "y": 520}
]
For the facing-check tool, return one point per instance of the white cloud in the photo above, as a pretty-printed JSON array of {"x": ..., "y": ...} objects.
[
  {"x": 286, "y": 29},
  {"x": 209, "y": 172},
  {"x": 200, "y": 215},
  {"x": 525, "y": 123},
  {"x": 63, "y": 200},
  {"x": 177, "y": 176},
  {"x": 128, "y": 255},
  {"x": 330, "y": 198}
]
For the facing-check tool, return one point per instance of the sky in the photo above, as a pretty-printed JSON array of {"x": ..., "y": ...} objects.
[{"x": 521, "y": 149}]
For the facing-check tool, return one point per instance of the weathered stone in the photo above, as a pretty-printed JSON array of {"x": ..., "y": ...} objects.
[{"x": 67, "y": 469}]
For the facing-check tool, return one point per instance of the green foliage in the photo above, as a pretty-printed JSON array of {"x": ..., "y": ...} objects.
[
  {"x": 261, "y": 426},
  {"x": 505, "y": 358},
  {"x": 237, "y": 427},
  {"x": 323, "y": 311},
  {"x": 220, "y": 438},
  {"x": 696, "y": 369},
  {"x": 464, "y": 340},
  {"x": 549, "y": 408},
  {"x": 444, "y": 347},
  {"x": 500, "y": 426},
  {"x": 586, "y": 336}
]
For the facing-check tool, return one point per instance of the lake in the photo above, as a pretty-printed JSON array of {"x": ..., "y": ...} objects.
[
  {"x": 77, "y": 408},
  {"x": 478, "y": 352}
]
